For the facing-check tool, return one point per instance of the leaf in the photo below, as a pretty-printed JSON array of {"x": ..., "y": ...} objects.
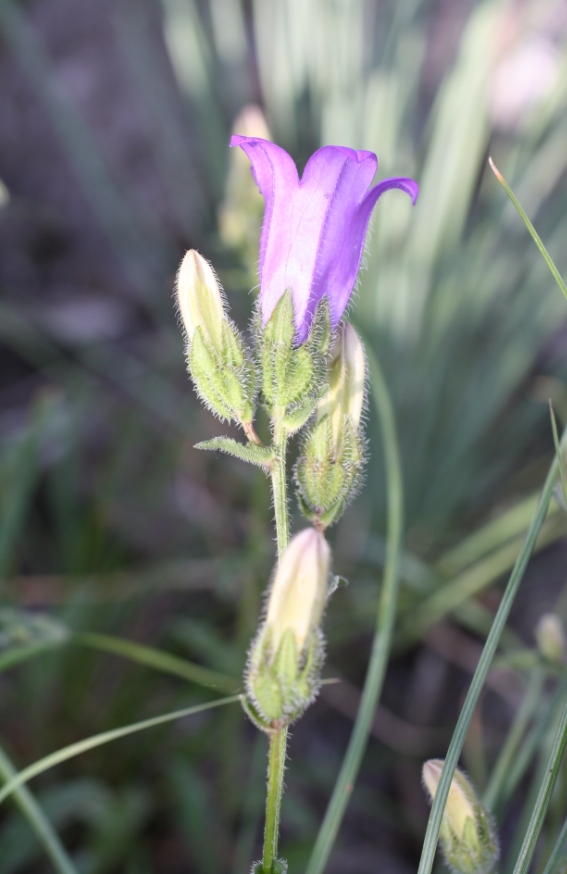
[
  {"x": 97, "y": 740},
  {"x": 260, "y": 455}
]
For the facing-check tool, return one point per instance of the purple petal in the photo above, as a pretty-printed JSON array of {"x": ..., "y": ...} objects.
[
  {"x": 340, "y": 256},
  {"x": 313, "y": 230}
]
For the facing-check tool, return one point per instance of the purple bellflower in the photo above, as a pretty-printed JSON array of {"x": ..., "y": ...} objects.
[{"x": 314, "y": 227}]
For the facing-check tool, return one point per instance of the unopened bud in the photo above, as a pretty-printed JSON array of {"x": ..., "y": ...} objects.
[
  {"x": 285, "y": 659},
  {"x": 240, "y": 214},
  {"x": 345, "y": 396},
  {"x": 218, "y": 362},
  {"x": 550, "y": 638},
  {"x": 468, "y": 838},
  {"x": 199, "y": 298},
  {"x": 332, "y": 455}
]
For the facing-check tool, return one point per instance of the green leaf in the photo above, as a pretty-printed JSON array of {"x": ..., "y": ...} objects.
[
  {"x": 535, "y": 236},
  {"x": 97, "y": 740},
  {"x": 37, "y": 819},
  {"x": 558, "y": 452},
  {"x": 260, "y": 455},
  {"x": 161, "y": 661}
]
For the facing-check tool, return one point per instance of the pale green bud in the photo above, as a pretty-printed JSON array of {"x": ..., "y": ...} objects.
[
  {"x": 221, "y": 369},
  {"x": 285, "y": 659},
  {"x": 240, "y": 214},
  {"x": 468, "y": 838},
  {"x": 328, "y": 470},
  {"x": 298, "y": 593},
  {"x": 347, "y": 372},
  {"x": 550, "y": 638},
  {"x": 199, "y": 298}
]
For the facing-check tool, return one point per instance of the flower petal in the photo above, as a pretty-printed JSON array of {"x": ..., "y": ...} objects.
[
  {"x": 340, "y": 255},
  {"x": 313, "y": 230}
]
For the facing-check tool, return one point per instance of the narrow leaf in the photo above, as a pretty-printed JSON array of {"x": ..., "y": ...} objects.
[
  {"x": 98, "y": 740},
  {"x": 535, "y": 236},
  {"x": 161, "y": 661},
  {"x": 558, "y": 452},
  {"x": 260, "y": 455}
]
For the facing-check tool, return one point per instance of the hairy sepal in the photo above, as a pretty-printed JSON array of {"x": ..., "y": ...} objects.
[{"x": 224, "y": 378}]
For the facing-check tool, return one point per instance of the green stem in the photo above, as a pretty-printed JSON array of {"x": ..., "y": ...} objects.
[
  {"x": 460, "y": 733},
  {"x": 37, "y": 819},
  {"x": 279, "y": 486},
  {"x": 384, "y": 627},
  {"x": 278, "y": 737},
  {"x": 544, "y": 796},
  {"x": 276, "y": 768}
]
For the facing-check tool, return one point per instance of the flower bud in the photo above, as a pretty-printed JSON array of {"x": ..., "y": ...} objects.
[
  {"x": 550, "y": 638},
  {"x": 240, "y": 214},
  {"x": 285, "y": 659},
  {"x": 222, "y": 372},
  {"x": 345, "y": 396},
  {"x": 199, "y": 298},
  {"x": 332, "y": 455},
  {"x": 468, "y": 838}
]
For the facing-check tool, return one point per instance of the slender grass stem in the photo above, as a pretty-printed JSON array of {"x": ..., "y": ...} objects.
[
  {"x": 508, "y": 752},
  {"x": 534, "y": 234},
  {"x": 384, "y": 628},
  {"x": 558, "y": 852},
  {"x": 276, "y": 769},
  {"x": 527, "y": 850},
  {"x": 37, "y": 820},
  {"x": 460, "y": 733}
]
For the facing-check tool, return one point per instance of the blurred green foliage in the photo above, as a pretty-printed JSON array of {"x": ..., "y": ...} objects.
[{"x": 112, "y": 524}]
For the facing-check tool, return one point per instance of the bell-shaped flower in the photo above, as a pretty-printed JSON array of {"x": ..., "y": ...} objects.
[{"x": 314, "y": 228}]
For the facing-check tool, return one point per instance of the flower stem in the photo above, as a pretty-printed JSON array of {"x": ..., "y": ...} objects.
[
  {"x": 276, "y": 767},
  {"x": 278, "y": 737},
  {"x": 279, "y": 485}
]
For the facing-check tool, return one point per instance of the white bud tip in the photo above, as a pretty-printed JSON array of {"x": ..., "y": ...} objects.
[
  {"x": 299, "y": 590},
  {"x": 198, "y": 296}
]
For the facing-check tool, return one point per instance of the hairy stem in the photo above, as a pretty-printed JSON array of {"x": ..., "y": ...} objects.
[
  {"x": 278, "y": 737},
  {"x": 279, "y": 485},
  {"x": 276, "y": 768}
]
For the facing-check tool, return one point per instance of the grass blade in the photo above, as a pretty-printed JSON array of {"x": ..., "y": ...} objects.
[
  {"x": 558, "y": 453},
  {"x": 43, "y": 829},
  {"x": 384, "y": 628},
  {"x": 544, "y": 796},
  {"x": 558, "y": 852},
  {"x": 97, "y": 740},
  {"x": 535, "y": 236},
  {"x": 161, "y": 661},
  {"x": 473, "y": 695}
]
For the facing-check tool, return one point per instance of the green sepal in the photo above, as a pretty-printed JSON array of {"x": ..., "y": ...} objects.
[
  {"x": 260, "y": 455},
  {"x": 299, "y": 415},
  {"x": 327, "y": 479},
  {"x": 285, "y": 664},
  {"x": 280, "y": 687},
  {"x": 253, "y": 715},
  {"x": 293, "y": 374},
  {"x": 225, "y": 378}
]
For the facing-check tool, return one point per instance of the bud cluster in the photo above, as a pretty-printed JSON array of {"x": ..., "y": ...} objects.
[{"x": 317, "y": 385}]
